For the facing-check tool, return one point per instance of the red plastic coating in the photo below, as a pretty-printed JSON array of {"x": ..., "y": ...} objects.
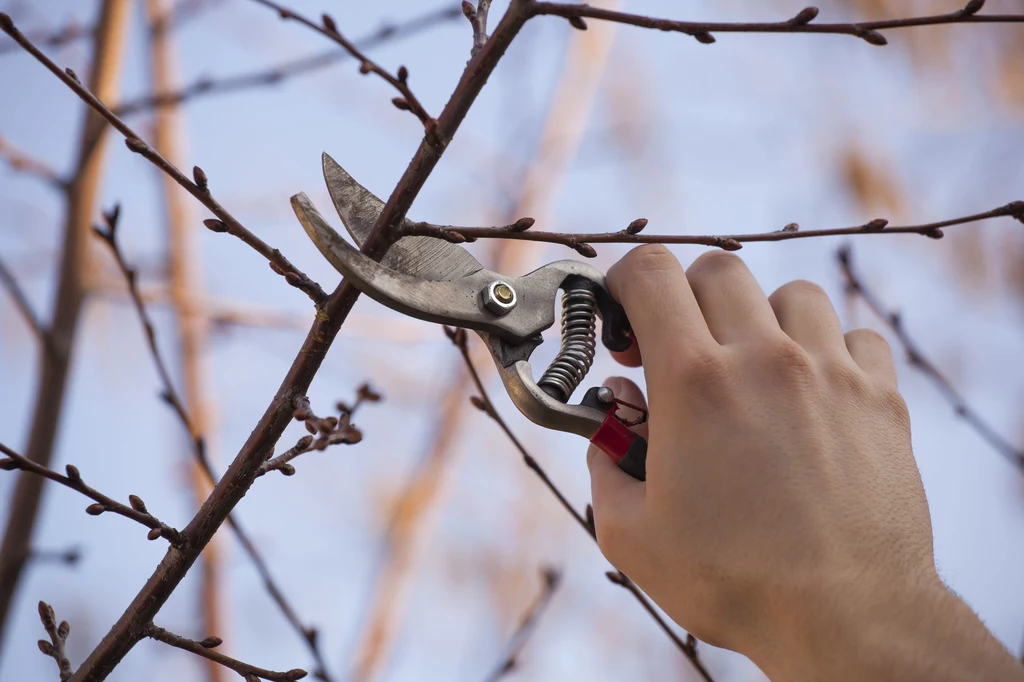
[{"x": 613, "y": 437}]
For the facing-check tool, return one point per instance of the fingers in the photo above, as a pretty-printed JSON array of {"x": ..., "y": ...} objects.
[
  {"x": 617, "y": 496},
  {"x": 629, "y": 358},
  {"x": 730, "y": 298},
  {"x": 807, "y": 316},
  {"x": 650, "y": 284},
  {"x": 872, "y": 354}
]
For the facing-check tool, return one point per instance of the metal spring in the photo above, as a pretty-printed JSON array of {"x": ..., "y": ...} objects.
[{"x": 570, "y": 366}]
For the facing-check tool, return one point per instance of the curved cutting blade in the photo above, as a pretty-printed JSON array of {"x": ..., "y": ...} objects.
[{"x": 423, "y": 257}]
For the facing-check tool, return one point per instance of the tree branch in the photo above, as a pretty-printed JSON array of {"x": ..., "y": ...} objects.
[
  {"x": 484, "y": 404},
  {"x": 170, "y": 396},
  {"x": 855, "y": 285},
  {"x": 230, "y": 489},
  {"x": 23, "y": 163},
  {"x": 478, "y": 19},
  {"x": 21, "y": 301},
  {"x": 225, "y": 222},
  {"x": 551, "y": 578},
  {"x": 208, "y": 86},
  {"x": 55, "y": 648},
  {"x": 327, "y": 432},
  {"x": 136, "y": 512},
  {"x": 582, "y": 242},
  {"x": 802, "y": 22},
  {"x": 329, "y": 28},
  {"x": 206, "y": 650}
]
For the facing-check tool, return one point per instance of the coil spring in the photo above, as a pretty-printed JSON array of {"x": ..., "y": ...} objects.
[{"x": 576, "y": 355}]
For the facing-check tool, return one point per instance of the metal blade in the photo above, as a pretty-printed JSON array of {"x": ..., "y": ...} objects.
[{"x": 423, "y": 257}]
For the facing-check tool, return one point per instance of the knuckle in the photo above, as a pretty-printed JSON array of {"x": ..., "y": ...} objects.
[
  {"x": 790, "y": 359},
  {"x": 799, "y": 289},
  {"x": 894, "y": 405},
  {"x": 702, "y": 366},
  {"x": 867, "y": 337},
  {"x": 716, "y": 261},
  {"x": 847, "y": 377}
]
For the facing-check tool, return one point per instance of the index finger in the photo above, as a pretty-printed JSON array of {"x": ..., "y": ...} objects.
[{"x": 651, "y": 285}]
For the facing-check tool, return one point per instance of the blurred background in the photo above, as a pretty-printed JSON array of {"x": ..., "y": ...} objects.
[{"x": 416, "y": 552}]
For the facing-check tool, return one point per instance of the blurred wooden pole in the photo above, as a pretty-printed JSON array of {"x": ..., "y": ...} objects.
[
  {"x": 186, "y": 289},
  {"x": 419, "y": 503},
  {"x": 55, "y": 356}
]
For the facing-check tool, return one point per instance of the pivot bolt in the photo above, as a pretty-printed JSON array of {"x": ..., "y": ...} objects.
[
  {"x": 499, "y": 297},
  {"x": 605, "y": 395}
]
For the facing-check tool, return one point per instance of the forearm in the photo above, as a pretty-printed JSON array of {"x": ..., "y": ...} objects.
[{"x": 910, "y": 634}]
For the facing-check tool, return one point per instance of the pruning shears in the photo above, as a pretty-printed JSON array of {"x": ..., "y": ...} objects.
[{"x": 438, "y": 281}]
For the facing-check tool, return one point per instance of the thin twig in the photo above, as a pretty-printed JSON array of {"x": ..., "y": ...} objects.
[
  {"x": 328, "y": 431},
  {"x": 21, "y": 162},
  {"x": 55, "y": 648},
  {"x": 286, "y": 70},
  {"x": 400, "y": 80},
  {"x": 129, "y": 629},
  {"x": 21, "y": 301},
  {"x": 249, "y": 672},
  {"x": 62, "y": 36},
  {"x": 551, "y": 578},
  {"x": 478, "y": 18},
  {"x": 225, "y": 222},
  {"x": 855, "y": 285},
  {"x": 136, "y": 512},
  {"x": 483, "y": 403},
  {"x": 582, "y": 242},
  {"x": 802, "y": 22},
  {"x": 171, "y": 396},
  {"x": 69, "y": 557}
]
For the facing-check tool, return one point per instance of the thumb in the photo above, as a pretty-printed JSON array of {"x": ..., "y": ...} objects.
[{"x": 617, "y": 496}]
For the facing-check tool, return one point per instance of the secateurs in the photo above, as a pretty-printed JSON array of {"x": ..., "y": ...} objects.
[{"x": 438, "y": 281}]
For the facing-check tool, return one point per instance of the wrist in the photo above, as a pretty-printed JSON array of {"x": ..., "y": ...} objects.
[{"x": 860, "y": 628}]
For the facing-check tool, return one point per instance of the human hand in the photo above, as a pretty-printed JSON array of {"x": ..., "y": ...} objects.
[{"x": 783, "y": 514}]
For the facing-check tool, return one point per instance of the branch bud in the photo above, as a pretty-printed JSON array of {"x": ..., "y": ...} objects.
[
  {"x": 934, "y": 233},
  {"x": 136, "y": 145},
  {"x": 137, "y": 504},
  {"x": 215, "y": 225},
  {"x": 287, "y": 470},
  {"x": 523, "y": 224},
  {"x": 403, "y": 74},
  {"x": 401, "y": 103},
  {"x": 72, "y": 75},
  {"x": 453, "y": 236},
  {"x": 469, "y": 10},
  {"x": 805, "y": 16},
  {"x": 636, "y": 226},
  {"x": 873, "y": 37},
  {"x": 972, "y": 8},
  {"x": 304, "y": 443},
  {"x": 45, "y": 647},
  {"x": 73, "y": 473},
  {"x": 6, "y": 22},
  {"x": 585, "y": 250},
  {"x": 211, "y": 642},
  {"x": 295, "y": 674},
  {"x": 64, "y": 629},
  {"x": 704, "y": 37},
  {"x": 9, "y": 464},
  {"x": 478, "y": 402},
  {"x": 201, "y": 180},
  {"x": 729, "y": 245},
  {"x": 578, "y": 23},
  {"x": 153, "y": 534},
  {"x": 876, "y": 225},
  {"x": 365, "y": 68},
  {"x": 792, "y": 227},
  {"x": 95, "y": 509},
  {"x": 329, "y": 23},
  {"x": 616, "y": 577}
]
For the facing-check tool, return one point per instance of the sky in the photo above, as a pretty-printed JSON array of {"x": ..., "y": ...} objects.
[{"x": 748, "y": 134}]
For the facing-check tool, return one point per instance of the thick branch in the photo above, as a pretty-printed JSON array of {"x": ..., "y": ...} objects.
[
  {"x": 56, "y": 647},
  {"x": 249, "y": 672},
  {"x": 199, "y": 189},
  {"x": 582, "y": 242},
  {"x": 282, "y": 72},
  {"x": 551, "y": 578},
  {"x": 855, "y": 285},
  {"x": 171, "y": 396},
  {"x": 399, "y": 81},
  {"x": 136, "y": 512},
  {"x": 803, "y": 22},
  {"x": 130, "y": 627},
  {"x": 483, "y": 402}
]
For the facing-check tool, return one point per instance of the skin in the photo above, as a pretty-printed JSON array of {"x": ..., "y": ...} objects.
[{"x": 783, "y": 515}]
